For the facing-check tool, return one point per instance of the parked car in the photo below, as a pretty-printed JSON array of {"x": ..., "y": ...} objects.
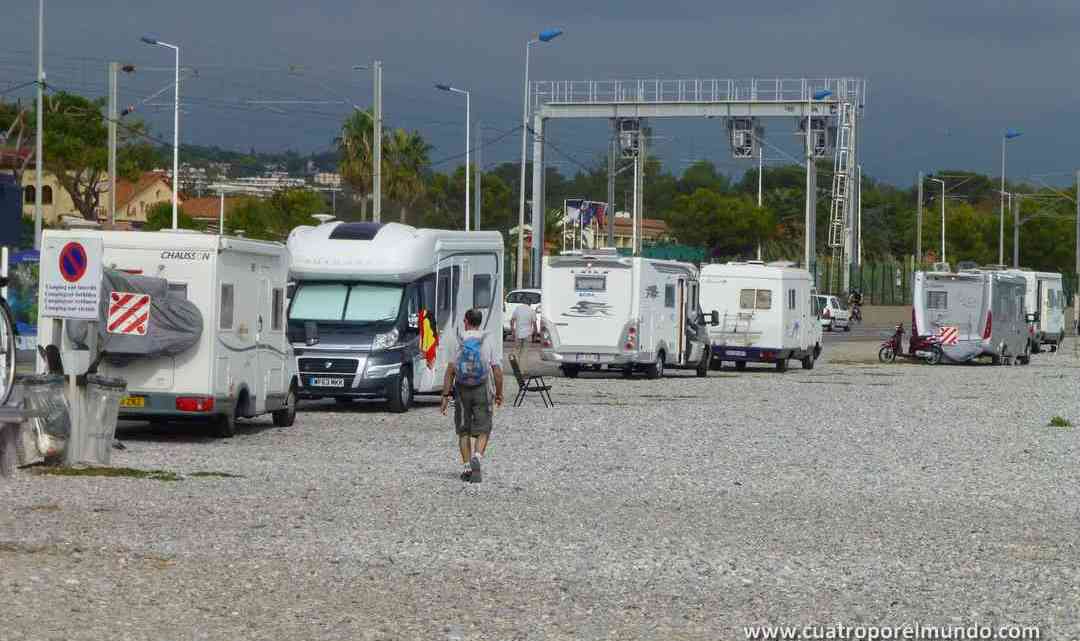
[
  {"x": 832, "y": 312},
  {"x": 516, "y": 298}
]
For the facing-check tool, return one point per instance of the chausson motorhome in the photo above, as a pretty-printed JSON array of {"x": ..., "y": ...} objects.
[
  {"x": 970, "y": 313},
  {"x": 599, "y": 309},
  {"x": 766, "y": 314},
  {"x": 241, "y": 365},
  {"x": 1044, "y": 302},
  {"x": 378, "y": 309}
]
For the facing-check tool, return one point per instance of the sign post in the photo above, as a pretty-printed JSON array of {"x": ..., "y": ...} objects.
[{"x": 71, "y": 270}]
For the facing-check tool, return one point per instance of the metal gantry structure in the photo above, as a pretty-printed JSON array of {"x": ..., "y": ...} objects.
[{"x": 743, "y": 105}]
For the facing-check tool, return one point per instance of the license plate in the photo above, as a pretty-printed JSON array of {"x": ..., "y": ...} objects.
[
  {"x": 133, "y": 401},
  {"x": 327, "y": 382},
  {"x": 735, "y": 352},
  {"x": 588, "y": 358}
]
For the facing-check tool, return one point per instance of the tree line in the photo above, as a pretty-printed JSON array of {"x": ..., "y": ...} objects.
[{"x": 702, "y": 206}]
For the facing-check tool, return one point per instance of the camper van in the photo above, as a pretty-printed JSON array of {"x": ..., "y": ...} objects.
[
  {"x": 378, "y": 309},
  {"x": 970, "y": 313},
  {"x": 765, "y": 312},
  {"x": 1044, "y": 303},
  {"x": 601, "y": 310},
  {"x": 241, "y": 365}
]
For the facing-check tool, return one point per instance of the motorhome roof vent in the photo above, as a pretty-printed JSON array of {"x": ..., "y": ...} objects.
[
  {"x": 781, "y": 263},
  {"x": 355, "y": 231},
  {"x": 942, "y": 267}
]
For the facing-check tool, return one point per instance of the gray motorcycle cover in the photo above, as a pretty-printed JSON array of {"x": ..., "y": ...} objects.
[{"x": 175, "y": 324}]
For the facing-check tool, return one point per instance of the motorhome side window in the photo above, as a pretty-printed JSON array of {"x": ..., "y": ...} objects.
[
  {"x": 225, "y": 316},
  {"x": 669, "y": 296},
  {"x": 755, "y": 299},
  {"x": 590, "y": 283},
  {"x": 277, "y": 314},
  {"x": 481, "y": 288},
  {"x": 791, "y": 299},
  {"x": 937, "y": 300},
  {"x": 449, "y": 283}
]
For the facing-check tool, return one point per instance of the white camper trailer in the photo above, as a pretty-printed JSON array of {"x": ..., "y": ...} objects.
[
  {"x": 1044, "y": 302},
  {"x": 766, "y": 314},
  {"x": 241, "y": 365},
  {"x": 602, "y": 310},
  {"x": 378, "y": 309},
  {"x": 970, "y": 313}
]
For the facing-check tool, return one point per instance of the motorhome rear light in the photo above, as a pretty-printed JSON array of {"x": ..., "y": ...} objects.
[
  {"x": 134, "y": 272},
  {"x": 629, "y": 345},
  {"x": 195, "y": 403},
  {"x": 989, "y": 324},
  {"x": 914, "y": 325}
]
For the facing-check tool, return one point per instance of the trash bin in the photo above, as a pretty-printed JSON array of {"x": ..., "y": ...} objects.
[
  {"x": 50, "y": 421},
  {"x": 102, "y": 408}
]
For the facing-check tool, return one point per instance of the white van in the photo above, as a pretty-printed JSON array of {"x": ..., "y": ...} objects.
[
  {"x": 599, "y": 309},
  {"x": 242, "y": 364},
  {"x": 1044, "y": 302},
  {"x": 363, "y": 292},
  {"x": 765, "y": 314}
]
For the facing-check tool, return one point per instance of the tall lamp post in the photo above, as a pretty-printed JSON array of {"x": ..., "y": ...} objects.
[
  {"x": 811, "y": 241},
  {"x": 176, "y": 123},
  {"x": 938, "y": 180},
  {"x": 1006, "y": 137},
  {"x": 468, "y": 142},
  {"x": 544, "y": 36}
]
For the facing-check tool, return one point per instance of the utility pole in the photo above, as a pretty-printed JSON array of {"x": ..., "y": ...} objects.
[
  {"x": 1076, "y": 283},
  {"x": 114, "y": 69},
  {"x": 639, "y": 189},
  {"x": 39, "y": 158},
  {"x": 1016, "y": 231},
  {"x": 376, "y": 143},
  {"x": 612, "y": 155},
  {"x": 477, "y": 200},
  {"x": 858, "y": 220},
  {"x": 918, "y": 225},
  {"x": 760, "y": 183}
]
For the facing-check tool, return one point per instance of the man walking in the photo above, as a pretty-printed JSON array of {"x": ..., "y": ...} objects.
[
  {"x": 471, "y": 374},
  {"x": 522, "y": 327}
]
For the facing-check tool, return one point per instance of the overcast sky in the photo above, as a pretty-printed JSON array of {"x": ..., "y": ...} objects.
[{"x": 945, "y": 77}]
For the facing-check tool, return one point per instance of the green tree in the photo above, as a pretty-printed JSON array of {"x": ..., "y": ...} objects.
[
  {"x": 355, "y": 146},
  {"x": 273, "y": 218},
  {"x": 160, "y": 217},
  {"x": 728, "y": 226},
  {"x": 76, "y": 138},
  {"x": 405, "y": 158}
]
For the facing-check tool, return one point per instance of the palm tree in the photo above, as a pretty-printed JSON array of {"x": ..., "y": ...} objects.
[
  {"x": 355, "y": 147},
  {"x": 404, "y": 160}
]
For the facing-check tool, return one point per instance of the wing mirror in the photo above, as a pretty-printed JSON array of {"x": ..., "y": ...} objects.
[
  {"x": 714, "y": 318},
  {"x": 311, "y": 333}
]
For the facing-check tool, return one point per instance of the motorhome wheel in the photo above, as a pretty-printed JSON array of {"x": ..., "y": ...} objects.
[
  {"x": 570, "y": 371},
  {"x": 1024, "y": 358},
  {"x": 656, "y": 370},
  {"x": 781, "y": 365},
  {"x": 225, "y": 424},
  {"x": 740, "y": 365},
  {"x": 808, "y": 361},
  {"x": 286, "y": 416},
  {"x": 401, "y": 392},
  {"x": 703, "y": 366}
]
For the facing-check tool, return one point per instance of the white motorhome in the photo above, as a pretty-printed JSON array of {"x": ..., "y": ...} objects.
[
  {"x": 602, "y": 310},
  {"x": 242, "y": 364},
  {"x": 1044, "y": 302},
  {"x": 766, "y": 314},
  {"x": 970, "y": 313},
  {"x": 370, "y": 299}
]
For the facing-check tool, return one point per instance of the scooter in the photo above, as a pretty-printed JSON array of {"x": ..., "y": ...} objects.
[{"x": 929, "y": 348}]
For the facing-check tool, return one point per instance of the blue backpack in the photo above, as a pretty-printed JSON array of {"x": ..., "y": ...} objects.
[{"x": 470, "y": 366}]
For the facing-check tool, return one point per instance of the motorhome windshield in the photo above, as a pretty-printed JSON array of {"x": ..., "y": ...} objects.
[{"x": 346, "y": 302}]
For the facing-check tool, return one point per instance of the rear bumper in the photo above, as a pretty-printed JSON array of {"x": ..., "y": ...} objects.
[
  {"x": 752, "y": 354},
  {"x": 584, "y": 358},
  {"x": 162, "y": 405}
]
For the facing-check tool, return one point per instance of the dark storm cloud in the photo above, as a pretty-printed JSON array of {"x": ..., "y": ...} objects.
[{"x": 946, "y": 77}]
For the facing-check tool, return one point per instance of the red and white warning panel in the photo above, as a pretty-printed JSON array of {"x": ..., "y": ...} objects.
[
  {"x": 129, "y": 314},
  {"x": 949, "y": 335}
]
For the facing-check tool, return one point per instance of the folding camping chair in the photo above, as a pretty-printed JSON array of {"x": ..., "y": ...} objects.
[{"x": 532, "y": 383}]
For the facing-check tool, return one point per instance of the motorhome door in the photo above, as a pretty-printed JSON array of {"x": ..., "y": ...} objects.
[{"x": 680, "y": 320}]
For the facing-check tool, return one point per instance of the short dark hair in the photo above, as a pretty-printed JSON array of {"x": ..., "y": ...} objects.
[{"x": 474, "y": 317}]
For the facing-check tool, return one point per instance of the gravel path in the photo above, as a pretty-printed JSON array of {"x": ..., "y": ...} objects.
[{"x": 677, "y": 509}]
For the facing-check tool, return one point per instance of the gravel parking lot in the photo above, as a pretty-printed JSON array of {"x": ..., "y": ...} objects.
[{"x": 676, "y": 509}]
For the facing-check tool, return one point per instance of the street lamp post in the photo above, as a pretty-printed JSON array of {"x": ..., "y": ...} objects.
[
  {"x": 810, "y": 245},
  {"x": 544, "y": 36},
  {"x": 938, "y": 180},
  {"x": 468, "y": 142},
  {"x": 176, "y": 124},
  {"x": 1007, "y": 136}
]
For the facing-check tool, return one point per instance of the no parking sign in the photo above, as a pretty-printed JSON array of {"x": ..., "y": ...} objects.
[{"x": 70, "y": 277}]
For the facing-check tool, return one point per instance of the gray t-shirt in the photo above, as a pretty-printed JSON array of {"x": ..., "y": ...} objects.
[{"x": 524, "y": 321}]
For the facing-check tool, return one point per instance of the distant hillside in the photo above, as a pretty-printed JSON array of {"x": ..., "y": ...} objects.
[{"x": 253, "y": 163}]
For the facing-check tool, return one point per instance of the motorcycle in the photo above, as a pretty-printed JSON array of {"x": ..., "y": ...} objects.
[
  {"x": 929, "y": 348},
  {"x": 856, "y": 313}
]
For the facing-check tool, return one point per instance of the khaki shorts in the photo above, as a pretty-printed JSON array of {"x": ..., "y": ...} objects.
[{"x": 472, "y": 412}]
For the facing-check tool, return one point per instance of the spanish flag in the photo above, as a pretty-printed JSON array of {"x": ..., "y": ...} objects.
[{"x": 429, "y": 339}]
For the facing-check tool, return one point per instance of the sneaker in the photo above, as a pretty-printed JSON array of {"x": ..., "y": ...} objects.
[
  {"x": 476, "y": 475},
  {"x": 466, "y": 475}
]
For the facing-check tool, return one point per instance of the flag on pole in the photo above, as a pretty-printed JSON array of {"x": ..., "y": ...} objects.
[
  {"x": 599, "y": 212},
  {"x": 573, "y": 210},
  {"x": 587, "y": 212}
]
